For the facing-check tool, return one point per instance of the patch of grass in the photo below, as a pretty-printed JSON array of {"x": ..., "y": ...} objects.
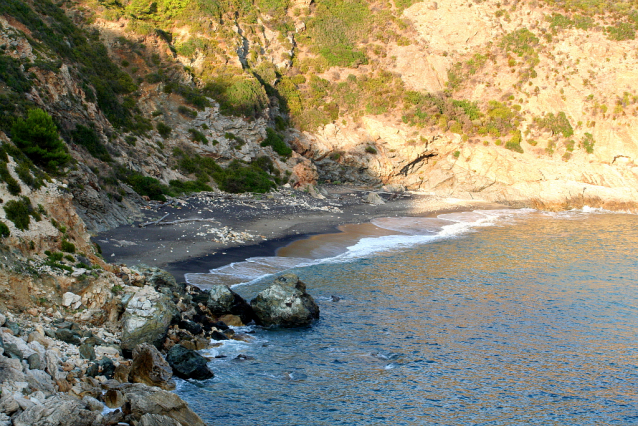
[
  {"x": 588, "y": 143},
  {"x": 514, "y": 144}
]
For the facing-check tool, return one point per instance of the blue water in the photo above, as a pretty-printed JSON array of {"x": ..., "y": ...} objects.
[{"x": 532, "y": 320}]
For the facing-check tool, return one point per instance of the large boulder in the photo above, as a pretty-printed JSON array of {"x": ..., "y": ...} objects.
[
  {"x": 146, "y": 319},
  {"x": 150, "y": 368},
  {"x": 59, "y": 410},
  {"x": 156, "y": 277},
  {"x": 140, "y": 400},
  {"x": 157, "y": 420},
  {"x": 188, "y": 364},
  {"x": 222, "y": 300},
  {"x": 285, "y": 303}
]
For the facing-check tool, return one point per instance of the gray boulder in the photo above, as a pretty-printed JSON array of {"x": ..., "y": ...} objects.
[
  {"x": 140, "y": 400},
  {"x": 285, "y": 303},
  {"x": 146, "y": 319},
  {"x": 156, "y": 277},
  {"x": 58, "y": 410},
  {"x": 188, "y": 364},
  {"x": 157, "y": 420},
  {"x": 222, "y": 300},
  {"x": 150, "y": 368}
]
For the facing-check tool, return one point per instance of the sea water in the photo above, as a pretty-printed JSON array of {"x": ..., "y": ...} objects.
[{"x": 499, "y": 318}]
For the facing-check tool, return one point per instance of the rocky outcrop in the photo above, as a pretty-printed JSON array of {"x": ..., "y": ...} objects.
[
  {"x": 139, "y": 400},
  {"x": 150, "y": 368},
  {"x": 157, "y": 420},
  {"x": 222, "y": 300},
  {"x": 59, "y": 410},
  {"x": 285, "y": 303},
  {"x": 146, "y": 319},
  {"x": 188, "y": 364}
]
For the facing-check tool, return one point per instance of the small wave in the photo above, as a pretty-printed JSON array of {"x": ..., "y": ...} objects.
[{"x": 411, "y": 231}]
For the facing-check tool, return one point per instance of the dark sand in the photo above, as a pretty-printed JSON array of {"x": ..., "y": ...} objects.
[{"x": 273, "y": 222}]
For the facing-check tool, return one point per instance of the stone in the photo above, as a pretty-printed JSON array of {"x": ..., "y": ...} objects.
[
  {"x": 68, "y": 336},
  {"x": 191, "y": 326},
  {"x": 5, "y": 420},
  {"x": 87, "y": 352},
  {"x": 34, "y": 361},
  {"x": 222, "y": 300},
  {"x": 15, "y": 347},
  {"x": 188, "y": 364},
  {"x": 146, "y": 319},
  {"x": 3, "y": 319},
  {"x": 40, "y": 381},
  {"x": 59, "y": 410},
  {"x": 13, "y": 326},
  {"x": 107, "y": 367},
  {"x": 70, "y": 300},
  {"x": 232, "y": 320},
  {"x": 374, "y": 199},
  {"x": 157, "y": 420},
  {"x": 121, "y": 373},
  {"x": 140, "y": 400},
  {"x": 113, "y": 398},
  {"x": 156, "y": 277},
  {"x": 93, "y": 404},
  {"x": 218, "y": 335},
  {"x": 150, "y": 368},
  {"x": 285, "y": 303}
]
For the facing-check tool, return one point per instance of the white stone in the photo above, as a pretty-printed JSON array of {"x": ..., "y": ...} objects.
[{"x": 69, "y": 298}]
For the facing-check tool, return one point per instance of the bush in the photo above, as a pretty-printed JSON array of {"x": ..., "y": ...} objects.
[
  {"x": 4, "y": 230},
  {"x": 187, "y": 112},
  {"x": 37, "y": 137},
  {"x": 274, "y": 140},
  {"x": 198, "y": 136},
  {"x": 163, "y": 129},
  {"x": 371, "y": 150},
  {"x": 88, "y": 138},
  {"x": 514, "y": 144},
  {"x": 12, "y": 185},
  {"x": 558, "y": 123},
  {"x": 20, "y": 212},
  {"x": 67, "y": 247},
  {"x": 588, "y": 143},
  {"x": 237, "y": 178}
]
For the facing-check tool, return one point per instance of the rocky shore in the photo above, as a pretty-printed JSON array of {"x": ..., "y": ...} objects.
[{"x": 61, "y": 371}]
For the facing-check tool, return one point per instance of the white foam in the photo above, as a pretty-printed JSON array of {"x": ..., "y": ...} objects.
[{"x": 413, "y": 231}]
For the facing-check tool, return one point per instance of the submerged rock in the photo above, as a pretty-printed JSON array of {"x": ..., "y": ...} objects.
[
  {"x": 146, "y": 319},
  {"x": 285, "y": 303},
  {"x": 222, "y": 301},
  {"x": 188, "y": 364},
  {"x": 150, "y": 368}
]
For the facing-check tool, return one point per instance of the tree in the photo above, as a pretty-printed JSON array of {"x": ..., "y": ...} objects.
[{"x": 37, "y": 137}]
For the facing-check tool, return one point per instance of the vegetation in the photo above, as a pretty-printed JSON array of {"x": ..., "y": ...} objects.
[
  {"x": 276, "y": 141},
  {"x": 88, "y": 138},
  {"x": 37, "y": 137},
  {"x": 4, "y": 230},
  {"x": 20, "y": 212},
  {"x": 588, "y": 143},
  {"x": 163, "y": 129},
  {"x": 67, "y": 247},
  {"x": 557, "y": 124}
]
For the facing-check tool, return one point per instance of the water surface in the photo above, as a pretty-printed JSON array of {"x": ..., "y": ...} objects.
[{"x": 497, "y": 318}]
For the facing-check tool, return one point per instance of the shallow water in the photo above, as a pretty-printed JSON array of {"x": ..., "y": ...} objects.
[{"x": 481, "y": 318}]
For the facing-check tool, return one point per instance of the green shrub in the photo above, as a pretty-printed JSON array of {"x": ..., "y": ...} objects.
[
  {"x": 198, "y": 136},
  {"x": 88, "y": 138},
  {"x": 238, "y": 95},
  {"x": 186, "y": 112},
  {"x": 274, "y": 140},
  {"x": 456, "y": 154},
  {"x": 588, "y": 143},
  {"x": 514, "y": 143},
  {"x": 622, "y": 31},
  {"x": 371, "y": 150},
  {"x": 556, "y": 124},
  {"x": 67, "y": 247},
  {"x": 37, "y": 137},
  {"x": 20, "y": 212},
  {"x": 12, "y": 185},
  {"x": 163, "y": 129},
  {"x": 238, "y": 177},
  {"x": 4, "y": 230}
]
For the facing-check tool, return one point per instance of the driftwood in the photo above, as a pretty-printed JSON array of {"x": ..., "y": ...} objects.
[{"x": 174, "y": 222}]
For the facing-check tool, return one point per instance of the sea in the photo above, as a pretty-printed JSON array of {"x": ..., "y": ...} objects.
[{"x": 495, "y": 317}]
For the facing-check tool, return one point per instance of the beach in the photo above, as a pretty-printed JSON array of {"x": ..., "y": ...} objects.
[{"x": 216, "y": 229}]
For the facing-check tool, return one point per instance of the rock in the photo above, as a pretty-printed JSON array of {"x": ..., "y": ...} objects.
[
  {"x": 113, "y": 398},
  {"x": 222, "y": 300},
  {"x": 15, "y": 347},
  {"x": 3, "y": 319},
  {"x": 157, "y": 420},
  {"x": 87, "y": 352},
  {"x": 146, "y": 319},
  {"x": 5, "y": 420},
  {"x": 285, "y": 303},
  {"x": 393, "y": 188},
  {"x": 191, "y": 327},
  {"x": 156, "y": 277},
  {"x": 57, "y": 410},
  {"x": 121, "y": 373},
  {"x": 36, "y": 336},
  {"x": 52, "y": 363},
  {"x": 150, "y": 368},
  {"x": 40, "y": 381},
  {"x": 72, "y": 300},
  {"x": 11, "y": 350},
  {"x": 13, "y": 326},
  {"x": 217, "y": 335},
  {"x": 68, "y": 336},
  {"x": 93, "y": 404},
  {"x": 374, "y": 199},
  {"x": 188, "y": 364},
  {"x": 107, "y": 367},
  {"x": 140, "y": 400},
  {"x": 34, "y": 362},
  {"x": 232, "y": 320}
]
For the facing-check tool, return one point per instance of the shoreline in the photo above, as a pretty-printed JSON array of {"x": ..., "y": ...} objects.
[{"x": 256, "y": 226}]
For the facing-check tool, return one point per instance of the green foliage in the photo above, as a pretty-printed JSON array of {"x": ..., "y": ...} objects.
[
  {"x": 514, "y": 143},
  {"x": 556, "y": 124},
  {"x": 37, "y": 137},
  {"x": 11, "y": 74},
  {"x": 20, "y": 212},
  {"x": 55, "y": 256},
  {"x": 198, "y": 136},
  {"x": 277, "y": 143},
  {"x": 456, "y": 154},
  {"x": 588, "y": 143},
  {"x": 12, "y": 185},
  {"x": 522, "y": 42},
  {"x": 238, "y": 177},
  {"x": 163, "y": 129},
  {"x": 67, "y": 246},
  {"x": 371, "y": 150},
  {"x": 187, "y": 112},
  {"x": 88, "y": 138},
  {"x": 238, "y": 95},
  {"x": 622, "y": 31},
  {"x": 4, "y": 230}
]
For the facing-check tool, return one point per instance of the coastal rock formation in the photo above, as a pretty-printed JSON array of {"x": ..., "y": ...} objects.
[
  {"x": 285, "y": 303},
  {"x": 58, "y": 410},
  {"x": 157, "y": 420},
  {"x": 188, "y": 364},
  {"x": 146, "y": 319},
  {"x": 150, "y": 368},
  {"x": 222, "y": 300}
]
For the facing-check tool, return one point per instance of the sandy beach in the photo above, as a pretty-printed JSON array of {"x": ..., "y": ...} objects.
[{"x": 209, "y": 230}]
